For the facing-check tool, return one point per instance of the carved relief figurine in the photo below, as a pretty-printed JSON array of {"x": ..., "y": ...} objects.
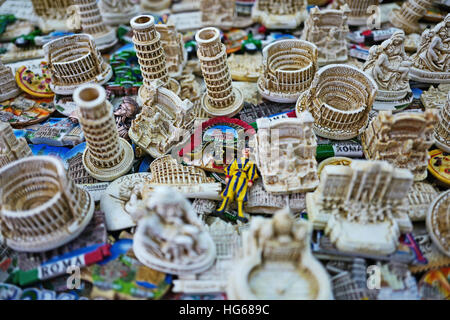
[
  {"x": 107, "y": 156},
  {"x": 124, "y": 115},
  {"x": 442, "y": 128},
  {"x": 402, "y": 139},
  {"x": 289, "y": 68},
  {"x": 116, "y": 12},
  {"x": 285, "y": 154},
  {"x": 280, "y": 14},
  {"x": 11, "y": 148},
  {"x": 277, "y": 263},
  {"x": 240, "y": 176},
  {"x": 431, "y": 62},
  {"x": 438, "y": 222},
  {"x": 362, "y": 207},
  {"x": 339, "y": 99},
  {"x": 435, "y": 97},
  {"x": 389, "y": 66},
  {"x": 41, "y": 207},
  {"x": 408, "y": 16},
  {"x": 170, "y": 238},
  {"x": 328, "y": 29},
  {"x": 8, "y": 85}
]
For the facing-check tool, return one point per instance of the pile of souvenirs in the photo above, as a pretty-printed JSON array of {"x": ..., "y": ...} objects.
[{"x": 224, "y": 149}]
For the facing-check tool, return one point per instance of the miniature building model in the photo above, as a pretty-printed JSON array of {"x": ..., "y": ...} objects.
[
  {"x": 285, "y": 154},
  {"x": 11, "y": 148},
  {"x": 77, "y": 172},
  {"x": 420, "y": 196},
  {"x": 363, "y": 207},
  {"x": 339, "y": 99},
  {"x": 221, "y": 98},
  {"x": 173, "y": 45},
  {"x": 277, "y": 263},
  {"x": 164, "y": 122},
  {"x": 442, "y": 128},
  {"x": 52, "y": 14},
  {"x": 438, "y": 222},
  {"x": 107, "y": 156},
  {"x": 402, "y": 139},
  {"x": 388, "y": 65},
  {"x": 155, "y": 6},
  {"x": 219, "y": 13},
  {"x": 41, "y": 208},
  {"x": 8, "y": 85},
  {"x": 116, "y": 12},
  {"x": 289, "y": 67},
  {"x": 359, "y": 10},
  {"x": 280, "y": 14},
  {"x": 328, "y": 29},
  {"x": 171, "y": 238},
  {"x": 431, "y": 63},
  {"x": 189, "y": 180},
  {"x": 92, "y": 24},
  {"x": 74, "y": 60},
  {"x": 407, "y": 18}
]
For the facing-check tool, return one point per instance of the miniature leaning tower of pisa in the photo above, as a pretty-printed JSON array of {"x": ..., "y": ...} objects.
[
  {"x": 107, "y": 156},
  {"x": 442, "y": 128},
  {"x": 11, "y": 148},
  {"x": 151, "y": 56},
  {"x": 407, "y": 18},
  {"x": 92, "y": 23},
  {"x": 8, "y": 85},
  {"x": 221, "y": 99}
]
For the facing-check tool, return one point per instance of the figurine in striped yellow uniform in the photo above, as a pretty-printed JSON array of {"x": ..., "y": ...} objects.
[{"x": 241, "y": 174}]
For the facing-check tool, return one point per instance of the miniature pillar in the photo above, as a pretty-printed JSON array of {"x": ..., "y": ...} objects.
[
  {"x": 107, "y": 156},
  {"x": 8, "y": 85},
  {"x": 221, "y": 99},
  {"x": 11, "y": 148}
]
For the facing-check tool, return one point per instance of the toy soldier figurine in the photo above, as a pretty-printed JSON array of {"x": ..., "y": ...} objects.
[{"x": 241, "y": 174}]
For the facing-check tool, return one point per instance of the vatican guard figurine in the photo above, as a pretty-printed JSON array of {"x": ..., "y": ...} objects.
[{"x": 240, "y": 175}]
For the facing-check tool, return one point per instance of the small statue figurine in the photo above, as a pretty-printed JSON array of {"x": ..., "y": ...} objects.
[
  {"x": 124, "y": 115},
  {"x": 240, "y": 175},
  {"x": 389, "y": 66}
]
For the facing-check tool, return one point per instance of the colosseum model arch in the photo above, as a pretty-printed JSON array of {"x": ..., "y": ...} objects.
[
  {"x": 75, "y": 60},
  {"x": 41, "y": 207},
  {"x": 289, "y": 68},
  {"x": 340, "y": 99}
]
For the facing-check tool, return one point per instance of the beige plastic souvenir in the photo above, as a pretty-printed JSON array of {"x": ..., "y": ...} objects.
[
  {"x": 192, "y": 182},
  {"x": 328, "y": 29},
  {"x": 402, "y": 139},
  {"x": 339, "y": 99},
  {"x": 164, "y": 122},
  {"x": 74, "y": 60},
  {"x": 116, "y": 12},
  {"x": 170, "y": 238},
  {"x": 363, "y": 207},
  {"x": 221, "y": 98},
  {"x": 420, "y": 196},
  {"x": 155, "y": 6},
  {"x": 289, "y": 68},
  {"x": 107, "y": 156},
  {"x": 16, "y": 54},
  {"x": 11, "y": 148},
  {"x": 285, "y": 154},
  {"x": 277, "y": 263},
  {"x": 407, "y": 18},
  {"x": 151, "y": 56},
  {"x": 431, "y": 63},
  {"x": 360, "y": 10},
  {"x": 218, "y": 13},
  {"x": 245, "y": 67},
  {"x": 52, "y": 14},
  {"x": 388, "y": 65},
  {"x": 186, "y": 6},
  {"x": 438, "y": 222},
  {"x": 173, "y": 45},
  {"x": 8, "y": 85},
  {"x": 228, "y": 245},
  {"x": 435, "y": 97},
  {"x": 442, "y": 128},
  {"x": 280, "y": 14},
  {"x": 41, "y": 208},
  {"x": 92, "y": 24},
  {"x": 261, "y": 201}
]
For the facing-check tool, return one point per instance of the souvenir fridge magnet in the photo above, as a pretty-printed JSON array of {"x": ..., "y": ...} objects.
[
  {"x": 438, "y": 222},
  {"x": 34, "y": 84},
  {"x": 170, "y": 237},
  {"x": 439, "y": 166}
]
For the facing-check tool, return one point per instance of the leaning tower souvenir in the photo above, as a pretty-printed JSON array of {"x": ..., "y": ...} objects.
[{"x": 408, "y": 16}]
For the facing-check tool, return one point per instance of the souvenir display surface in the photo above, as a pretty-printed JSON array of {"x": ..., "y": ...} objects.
[{"x": 224, "y": 149}]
